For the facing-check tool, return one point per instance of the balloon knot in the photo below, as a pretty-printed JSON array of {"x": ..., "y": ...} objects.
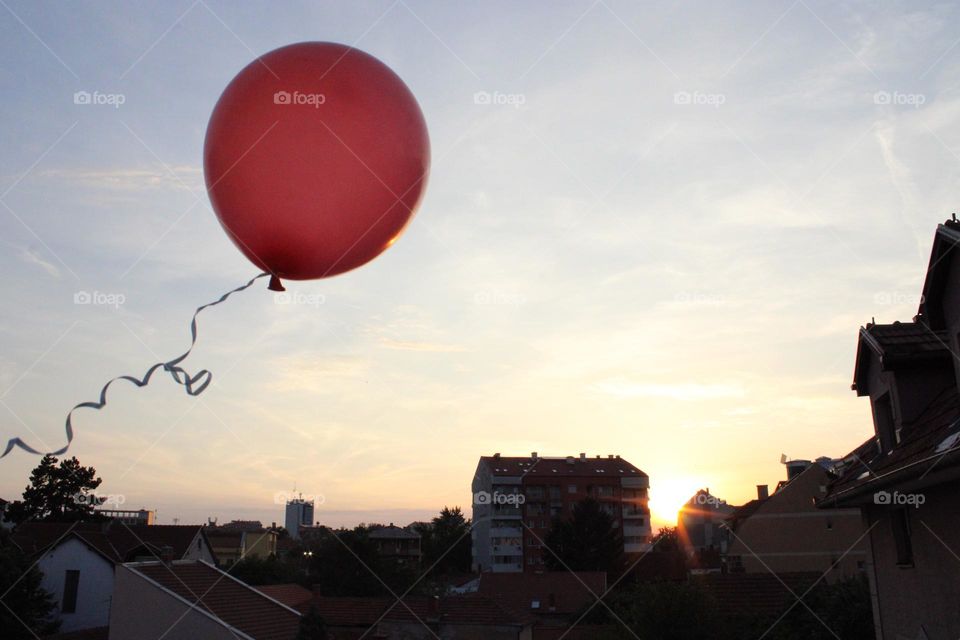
[{"x": 275, "y": 284}]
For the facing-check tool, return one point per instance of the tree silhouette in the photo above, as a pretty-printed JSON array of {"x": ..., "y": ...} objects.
[
  {"x": 588, "y": 541},
  {"x": 22, "y": 596},
  {"x": 59, "y": 493}
]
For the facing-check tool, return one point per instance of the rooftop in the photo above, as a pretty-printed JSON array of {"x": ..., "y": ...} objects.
[
  {"x": 235, "y": 603},
  {"x": 569, "y": 466},
  {"x": 114, "y": 540}
]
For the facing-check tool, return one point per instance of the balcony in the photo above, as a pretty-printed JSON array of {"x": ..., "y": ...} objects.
[
  {"x": 506, "y": 567},
  {"x": 636, "y": 547},
  {"x": 630, "y": 530},
  {"x": 507, "y": 549},
  {"x": 506, "y": 532}
]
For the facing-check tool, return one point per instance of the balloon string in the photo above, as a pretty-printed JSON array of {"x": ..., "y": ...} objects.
[{"x": 194, "y": 385}]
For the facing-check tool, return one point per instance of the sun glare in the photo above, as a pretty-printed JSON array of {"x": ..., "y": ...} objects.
[{"x": 667, "y": 496}]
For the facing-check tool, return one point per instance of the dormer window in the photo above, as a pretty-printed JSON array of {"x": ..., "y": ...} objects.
[{"x": 884, "y": 423}]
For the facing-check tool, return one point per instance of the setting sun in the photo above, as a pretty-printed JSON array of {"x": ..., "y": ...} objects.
[{"x": 668, "y": 495}]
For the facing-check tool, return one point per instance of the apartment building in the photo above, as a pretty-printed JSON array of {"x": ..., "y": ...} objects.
[{"x": 515, "y": 500}]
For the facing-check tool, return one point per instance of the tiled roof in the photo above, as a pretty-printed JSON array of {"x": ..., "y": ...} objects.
[
  {"x": 743, "y": 512},
  {"x": 364, "y": 612},
  {"x": 240, "y": 606},
  {"x": 906, "y": 339},
  {"x": 292, "y": 595},
  {"x": 114, "y": 540},
  {"x": 96, "y": 633},
  {"x": 756, "y": 593},
  {"x": 569, "y": 592},
  {"x": 932, "y": 436},
  {"x": 570, "y": 466},
  {"x": 393, "y": 532}
]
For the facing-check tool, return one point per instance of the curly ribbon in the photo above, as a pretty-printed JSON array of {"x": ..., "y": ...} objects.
[{"x": 194, "y": 384}]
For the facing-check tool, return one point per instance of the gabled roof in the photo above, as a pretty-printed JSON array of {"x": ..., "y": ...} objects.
[
  {"x": 393, "y": 532},
  {"x": 895, "y": 345},
  {"x": 114, "y": 540},
  {"x": 930, "y": 446},
  {"x": 568, "y": 592},
  {"x": 570, "y": 466},
  {"x": 223, "y": 596},
  {"x": 292, "y": 595},
  {"x": 941, "y": 254}
]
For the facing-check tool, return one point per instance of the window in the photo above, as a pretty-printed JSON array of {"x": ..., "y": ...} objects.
[
  {"x": 572, "y": 488},
  {"x": 71, "y": 584},
  {"x": 829, "y": 523},
  {"x": 901, "y": 537},
  {"x": 883, "y": 419}
]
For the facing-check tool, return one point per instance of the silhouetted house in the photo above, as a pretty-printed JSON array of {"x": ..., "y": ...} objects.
[
  {"x": 906, "y": 477},
  {"x": 189, "y": 599},
  {"x": 701, "y": 526},
  {"x": 785, "y": 532},
  {"x": 470, "y": 617},
  {"x": 78, "y": 559},
  {"x": 553, "y": 598},
  {"x": 396, "y": 543}
]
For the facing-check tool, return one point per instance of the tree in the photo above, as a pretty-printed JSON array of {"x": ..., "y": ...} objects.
[
  {"x": 26, "y": 610},
  {"x": 588, "y": 541},
  {"x": 312, "y": 626},
  {"x": 347, "y": 563},
  {"x": 666, "y": 560},
  {"x": 57, "y": 493},
  {"x": 446, "y": 542}
]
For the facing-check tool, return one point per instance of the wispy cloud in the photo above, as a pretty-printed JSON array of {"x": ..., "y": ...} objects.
[
  {"x": 406, "y": 345},
  {"x": 626, "y": 388},
  {"x": 30, "y": 256},
  {"x": 180, "y": 178}
]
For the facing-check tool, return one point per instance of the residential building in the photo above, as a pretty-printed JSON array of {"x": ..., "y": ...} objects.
[
  {"x": 905, "y": 478},
  {"x": 230, "y": 544},
  {"x": 194, "y": 599},
  {"x": 130, "y": 517},
  {"x": 78, "y": 559},
  {"x": 517, "y": 498},
  {"x": 396, "y": 543},
  {"x": 299, "y": 513},
  {"x": 784, "y": 532}
]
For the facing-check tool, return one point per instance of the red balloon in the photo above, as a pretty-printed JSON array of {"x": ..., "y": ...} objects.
[{"x": 315, "y": 159}]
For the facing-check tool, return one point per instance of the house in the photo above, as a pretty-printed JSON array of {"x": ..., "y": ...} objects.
[
  {"x": 905, "y": 478},
  {"x": 517, "y": 498},
  {"x": 397, "y": 544},
  {"x": 189, "y": 599},
  {"x": 78, "y": 559},
  {"x": 233, "y": 544},
  {"x": 467, "y": 617},
  {"x": 701, "y": 526},
  {"x": 785, "y": 532},
  {"x": 553, "y": 599}
]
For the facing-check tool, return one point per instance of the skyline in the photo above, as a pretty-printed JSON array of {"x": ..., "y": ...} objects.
[{"x": 566, "y": 286}]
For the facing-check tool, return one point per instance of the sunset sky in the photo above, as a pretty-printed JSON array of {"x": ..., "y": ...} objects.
[{"x": 658, "y": 239}]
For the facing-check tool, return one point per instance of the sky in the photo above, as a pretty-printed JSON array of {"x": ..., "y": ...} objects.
[{"x": 657, "y": 238}]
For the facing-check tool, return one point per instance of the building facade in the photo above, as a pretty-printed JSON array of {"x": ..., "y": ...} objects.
[
  {"x": 905, "y": 478},
  {"x": 299, "y": 513},
  {"x": 515, "y": 500},
  {"x": 130, "y": 517}
]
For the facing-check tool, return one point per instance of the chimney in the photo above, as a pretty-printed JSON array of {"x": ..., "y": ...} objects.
[
  {"x": 166, "y": 555},
  {"x": 609, "y": 456},
  {"x": 496, "y": 455},
  {"x": 763, "y": 492},
  {"x": 533, "y": 455},
  {"x": 583, "y": 456}
]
